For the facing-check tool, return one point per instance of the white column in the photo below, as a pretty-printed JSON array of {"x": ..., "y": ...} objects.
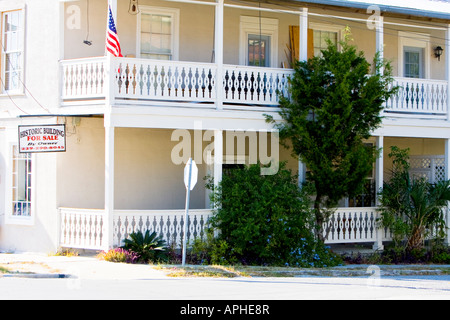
[
  {"x": 301, "y": 173},
  {"x": 303, "y": 34},
  {"x": 303, "y": 56},
  {"x": 447, "y": 177},
  {"x": 109, "y": 186},
  {"x": 218, "y": 52},
  {"x": 379, "y": 42},
  {"x": 380, "y": 37},
  {"x": 218, "y": 156},
  {"x": 447, "y": 67},
  {"x": 379, "y": 170}
]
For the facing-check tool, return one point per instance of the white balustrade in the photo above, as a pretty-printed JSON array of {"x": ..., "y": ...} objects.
[
  {"x": 419, "y": 96},
  {"x": 145, "y": 79},
  {"x": 84, "y": 228},
  {"x": 255, "y": 85},
  {"x": 83, "y": 78},
  {"x": 140, "y": 81},
  {"x": 352, "y": 225},
  {"x": 168, "y": 224}
]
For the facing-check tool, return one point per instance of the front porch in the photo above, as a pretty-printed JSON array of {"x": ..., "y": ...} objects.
[{"x": 86, "y": 228}]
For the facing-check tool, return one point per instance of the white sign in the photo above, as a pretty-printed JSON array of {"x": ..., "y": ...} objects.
[
  {"x": 194, "y": 174},
  {"x": 43, "y": 138}
]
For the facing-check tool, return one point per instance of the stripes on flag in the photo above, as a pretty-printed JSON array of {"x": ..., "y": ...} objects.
[{"x": 112, "y": 39}]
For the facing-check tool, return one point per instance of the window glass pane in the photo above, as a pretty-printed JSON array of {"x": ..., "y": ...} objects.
[
  {"x": 321, "y": 38},
  {"x": 413, "y": 62},
  {"x": 258, "y": 50},
  {"x": 12, "y": 50},
  {"x": 21, "y": 184},
  {"x": 155, "y": 24},
  {"x": 156, "y": 36}
]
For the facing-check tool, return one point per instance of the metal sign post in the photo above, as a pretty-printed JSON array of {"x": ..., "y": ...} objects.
[{"x": 190, "y": 179}]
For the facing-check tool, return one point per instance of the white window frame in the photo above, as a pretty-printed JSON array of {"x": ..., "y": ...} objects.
[
  {"x": 418, "y": 40},
  {"x": 251, "y": 25},
  {"x": 175, "y": 15},
  {"x": 21, "y": 34},
  {"x": 10, "y": 218}
]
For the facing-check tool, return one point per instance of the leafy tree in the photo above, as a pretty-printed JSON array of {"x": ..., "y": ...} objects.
[
  {"x": 412, "y": 207},
  {"x": 333, "y": 105}
]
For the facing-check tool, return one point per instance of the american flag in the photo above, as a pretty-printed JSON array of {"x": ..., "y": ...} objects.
[{"x": 112, "y": 39}]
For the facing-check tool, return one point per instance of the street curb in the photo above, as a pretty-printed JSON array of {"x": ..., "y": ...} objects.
[{"x": 36, "y": 275}]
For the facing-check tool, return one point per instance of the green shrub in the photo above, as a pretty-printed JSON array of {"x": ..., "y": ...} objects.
[
  {"x": 264, "y": 219},
  {"x": 149, "y": 246}
]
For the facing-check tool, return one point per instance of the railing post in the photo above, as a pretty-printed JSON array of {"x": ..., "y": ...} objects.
[{"x": 218, "y": 52}]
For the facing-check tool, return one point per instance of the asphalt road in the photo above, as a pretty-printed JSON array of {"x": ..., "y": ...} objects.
[{"x": 210, "y": 289}]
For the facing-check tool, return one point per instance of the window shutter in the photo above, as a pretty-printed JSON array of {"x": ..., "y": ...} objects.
[{"x": 294, "y": 42}]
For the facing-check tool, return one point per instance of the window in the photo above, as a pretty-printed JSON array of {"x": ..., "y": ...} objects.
[
  {"x": 21, "y": 183},
  {"x": 413, "y": 62},
  {"x": 258, "y": 42},
  {"x": 158, "y": 33},
  {"x": 12, "y": 51},
  {"x": 318, "y": 33},
  {"x": 320, "y": 40},
  {"x": 414, "y": 55},
  {"x": 258, "y": 50}
]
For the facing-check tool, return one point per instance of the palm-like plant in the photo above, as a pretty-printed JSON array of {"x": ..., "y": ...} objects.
[
  {"x": 149, "y": 246},
  {"x": 412, "y": 207}
]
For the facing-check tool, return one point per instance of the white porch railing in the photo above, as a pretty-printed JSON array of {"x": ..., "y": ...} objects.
[
  {"x": 84, "y": 79},
  {"x": 84, "y": 228},
  {"x": 141, "y": 81},
  {"x": 167, "y": 223},
  {"x": 419, "y": 97},
  {"x": 353, "y": 225}
]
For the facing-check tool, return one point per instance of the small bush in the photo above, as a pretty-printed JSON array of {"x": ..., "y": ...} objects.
[
  {"x": 119, "y": 255},
  {"x": 149, "y": 246}
]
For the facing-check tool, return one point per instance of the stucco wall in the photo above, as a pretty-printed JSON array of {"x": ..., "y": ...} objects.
[{"x": 196, "y": 32}]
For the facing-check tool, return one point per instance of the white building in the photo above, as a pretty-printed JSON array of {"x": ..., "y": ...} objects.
[{"x": 195, "y": 75}]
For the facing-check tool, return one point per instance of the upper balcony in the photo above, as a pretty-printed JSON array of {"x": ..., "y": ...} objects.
[
  {"x": 250, "y": 48},
  {"x": 175, "y": 83}
]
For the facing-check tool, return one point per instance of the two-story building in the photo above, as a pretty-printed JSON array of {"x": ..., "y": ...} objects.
[{"x": 93, "y": 147}]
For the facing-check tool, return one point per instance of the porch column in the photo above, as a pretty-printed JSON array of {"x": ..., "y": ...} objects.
[
  {"x": 447, "y": 68},
  {"x": 447, "y": 177},
  {"x": 303, "y": 34},
  {"x": 303, "y": 56},
  {"x": 379, "y": 41},
  {"x": 218, "y": 52},
  {"x": 218, "y": 156},
  {"x": 109, "y": 186},
  {"x": 379, "y": 168}
]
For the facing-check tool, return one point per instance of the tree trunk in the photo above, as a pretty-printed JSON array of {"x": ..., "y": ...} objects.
[{"x": 416, "y": 239}]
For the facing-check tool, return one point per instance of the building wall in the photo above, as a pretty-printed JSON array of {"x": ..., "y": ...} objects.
[
  {"x": 196, "y": 32},
  {"x": 41, "y": 234}
]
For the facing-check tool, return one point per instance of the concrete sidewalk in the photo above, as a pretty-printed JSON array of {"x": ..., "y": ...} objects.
[{"x": 33, "y": 265}]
